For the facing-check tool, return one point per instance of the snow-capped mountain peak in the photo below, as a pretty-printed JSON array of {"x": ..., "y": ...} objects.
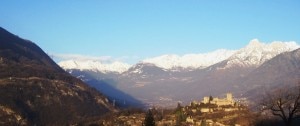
[
  {"x": 253, "y": 55},
  {"x": 190, "y": 60},
  {"x": 256, "y": 52},
  {"x": 254, "y": 43},
  {"x": 118, "y": 67}
]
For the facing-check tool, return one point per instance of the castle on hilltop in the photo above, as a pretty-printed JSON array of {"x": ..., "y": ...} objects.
[
  {"x": 211, "y": 107},
  {"x": 220, "y": 101}
]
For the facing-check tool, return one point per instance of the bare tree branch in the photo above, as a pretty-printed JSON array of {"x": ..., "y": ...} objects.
[{"x": 284, "y": 103}]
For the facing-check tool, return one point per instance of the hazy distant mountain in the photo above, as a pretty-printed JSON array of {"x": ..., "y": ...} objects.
[
  {"x": 257, "y": 53},
  {"x": 167, "y": 79},
  {"x": 117, "y": 67},
  {"x": 107, "y": 83},
  {"x": 144, "y": 69},
  {"x": 281, "y": 71},
  {"x": 36, "y": 91},
  {"x": 166, "y": 62},
  {"x": 229, "y": 74},
  {"x": 253, "y": 54},
  {"x": 191, "y": 61}
]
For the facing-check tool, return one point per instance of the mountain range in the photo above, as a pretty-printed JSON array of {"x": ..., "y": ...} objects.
[
  {"x": 36, "y": 91},
  {"x": 255, "y": 53},
  {"x": 167, "y": 79}
]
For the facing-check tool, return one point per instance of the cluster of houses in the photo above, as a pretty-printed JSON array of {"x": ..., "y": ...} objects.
[{"x": 129, "y": 120}]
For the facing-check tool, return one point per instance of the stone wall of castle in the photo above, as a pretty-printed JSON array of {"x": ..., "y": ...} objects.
[{"x": 224, "y": 101}]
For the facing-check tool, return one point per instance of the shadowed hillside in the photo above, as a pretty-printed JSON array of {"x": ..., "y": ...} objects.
[{"x": 36, "y": 91}]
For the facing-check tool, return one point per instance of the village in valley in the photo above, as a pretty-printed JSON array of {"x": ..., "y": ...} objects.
[{"x": 210, "y": 111}]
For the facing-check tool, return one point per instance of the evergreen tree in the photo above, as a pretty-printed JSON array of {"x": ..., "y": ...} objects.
[
  {"x": 210, "y": 98},
  {"x": 149, "y": 119},
  {"x": 178, "y": 108},
  {"x": 180, "y": 117}
]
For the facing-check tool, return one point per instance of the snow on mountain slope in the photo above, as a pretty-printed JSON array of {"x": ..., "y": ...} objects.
[
  {"x": 190, "y": 60},
  {"x": 118, "y": 67},
  {"x": 256, "y": 52}
]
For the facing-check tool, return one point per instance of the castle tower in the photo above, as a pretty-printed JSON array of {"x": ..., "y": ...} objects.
[{"x": 229, "y": 97}]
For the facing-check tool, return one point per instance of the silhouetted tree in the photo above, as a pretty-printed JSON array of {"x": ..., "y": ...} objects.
[
  {"x": 284, "y": 103},
  {"x": 203, "y": 122},
  {"x": 210, "y": 99},
  {"x": 179, "y": 107},
  {"x": 149, "y": 119},
  {"x": 179, "y": 115}
]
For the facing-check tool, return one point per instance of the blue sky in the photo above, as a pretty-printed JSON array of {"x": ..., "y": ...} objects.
[{"x": 131, "y": 30}]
